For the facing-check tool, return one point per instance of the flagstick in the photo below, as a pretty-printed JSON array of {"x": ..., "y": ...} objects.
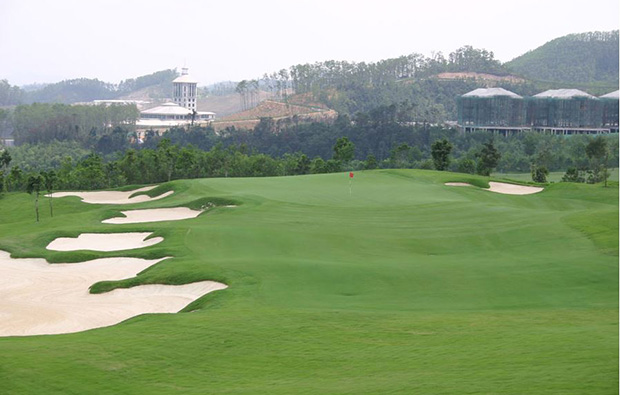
[{"x": 350, "y": 186}]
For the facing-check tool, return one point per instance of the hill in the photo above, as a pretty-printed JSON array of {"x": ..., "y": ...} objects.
[
  {"x": 226, "y": 104},
  {"x": 399, "y": 285},
  {"x": 276, "y": 110},
  {"x": 590, "y": 58},
  {"x": 146, "y": 87}
]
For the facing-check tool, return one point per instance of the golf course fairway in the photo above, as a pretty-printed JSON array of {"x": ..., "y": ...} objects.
[{"x": 395, "y": 284}]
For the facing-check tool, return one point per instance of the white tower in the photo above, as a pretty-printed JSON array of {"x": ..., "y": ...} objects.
[{"x": 185, "y": 90}]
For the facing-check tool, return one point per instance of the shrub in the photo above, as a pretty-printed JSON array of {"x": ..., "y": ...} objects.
[{"x": 539, "y": 173}]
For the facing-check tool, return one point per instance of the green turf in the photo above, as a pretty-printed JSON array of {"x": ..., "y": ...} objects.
[{"x": 403, "y": 286}]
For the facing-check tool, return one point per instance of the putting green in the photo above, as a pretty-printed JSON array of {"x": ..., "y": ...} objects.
[{"x": 404, "y": 285}]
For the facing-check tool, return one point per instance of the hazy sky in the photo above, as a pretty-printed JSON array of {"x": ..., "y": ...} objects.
[{"x": 52, "y": 40}]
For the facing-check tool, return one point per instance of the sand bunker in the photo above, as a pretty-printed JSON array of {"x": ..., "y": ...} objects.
[
  {"x": 104, "y": 242},
  {"x": 113, "y": 197},
  {"x": 513, "y": 189},
  {"x": 38, "y": 298},
  {"x": 153, "y": 215},
  {"x": 502, "y": 187}
]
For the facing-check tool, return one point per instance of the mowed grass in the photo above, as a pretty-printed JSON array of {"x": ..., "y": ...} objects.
[{"x": 403, "y": 285}]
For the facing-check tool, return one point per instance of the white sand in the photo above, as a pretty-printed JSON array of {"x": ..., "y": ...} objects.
[
  {"x": 512, "y": 189},
  {"x": 40, "y": 298},
  {"x": 113, "y": 197},
  {"x": 104, "y": 242},
  {"x": 501, "y": 187},
  {"x": 153, "y": 215},
  {"x": 458, "y": 184}
]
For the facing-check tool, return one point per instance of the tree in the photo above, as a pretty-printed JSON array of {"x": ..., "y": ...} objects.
[
  {"x": 401, "y": 156},
  {"x": 49, "y": 179},
  {"x": 333, "y": 166},
  {"x": 466, "y": 165},
  {"x": 317, "y": 166},
  {"x": 14, "y": 180},
  {"x": 573, "y": 175},
  {"x": 33, "y": 186},
  {"x": 440, "y": 151},
  {"x": 371, "y": 162},
  {"x": 539, "y": 173},
  {"x": 303, "y": 165},
  {"x": 89, "y": 173},
  {"x": 544, "y": 155},
  {"x": 488, "y": 157},
  {"x": 344, "y": 149},
  {"x": 5, "y": 159},
  {"x": 598, "y": 153},
  {"x": 167, "y": 155}
]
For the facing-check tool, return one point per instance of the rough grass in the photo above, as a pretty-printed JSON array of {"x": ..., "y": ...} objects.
[{"x": 403, "y": 286}]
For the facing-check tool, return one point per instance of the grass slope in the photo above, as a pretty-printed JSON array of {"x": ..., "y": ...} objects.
[{"x": 403, "y": 286}]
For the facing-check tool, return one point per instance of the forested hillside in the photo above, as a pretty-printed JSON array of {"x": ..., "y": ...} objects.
[
  {"x": 84, "y": 89},
  {"x": 590, "y": 58},
  {"x": 587, "y": 61},
  {"x": 350, "y": 87}
]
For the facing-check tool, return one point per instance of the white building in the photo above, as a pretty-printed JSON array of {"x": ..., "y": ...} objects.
[
  {"x": 180, "y": 112},
  {"x": 184, "y": 90},
  {"x": 171, "y": 114}
]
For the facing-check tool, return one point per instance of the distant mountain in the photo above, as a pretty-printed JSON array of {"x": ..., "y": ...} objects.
[
  {"x": 586, "y": 58},
  {"x": 33, "y": 87},
  {"x": 85, "y": 89},
  {"x": 71, "y": 91}
]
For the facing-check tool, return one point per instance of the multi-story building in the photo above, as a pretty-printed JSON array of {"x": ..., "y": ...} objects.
[
  {"x": 181, "y": 111},
  {"x": 557, "y": 111}
]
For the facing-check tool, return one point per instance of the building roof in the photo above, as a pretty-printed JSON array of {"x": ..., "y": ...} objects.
[
  {"x": 611, "y": 95},
  {"x": 120, "y": 101},
  {"x": 564, "y": 94},
  {"x": 168, "y": 109},
  {"x": 491, "y": 92},
  {"x": 166, "y": 123},
  {"x": 161, "y": 122},
  {"x": 186, "y": 78}
]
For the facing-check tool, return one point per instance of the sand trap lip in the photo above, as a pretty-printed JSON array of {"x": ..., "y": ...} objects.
[
  {"x": 104, "y": 242},
  {"x": 502, "y": 187},
  {"x": 153, "y": 215},
  {"x": 113, "y": 197},
  {"x": 458, "y": 184},
  {"x": 37, "y": 298}
]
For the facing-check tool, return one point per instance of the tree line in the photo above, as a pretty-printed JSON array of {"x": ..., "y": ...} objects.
[
  {"x": 86, "y": 124},
  {"x": 168, "y": 161}
]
